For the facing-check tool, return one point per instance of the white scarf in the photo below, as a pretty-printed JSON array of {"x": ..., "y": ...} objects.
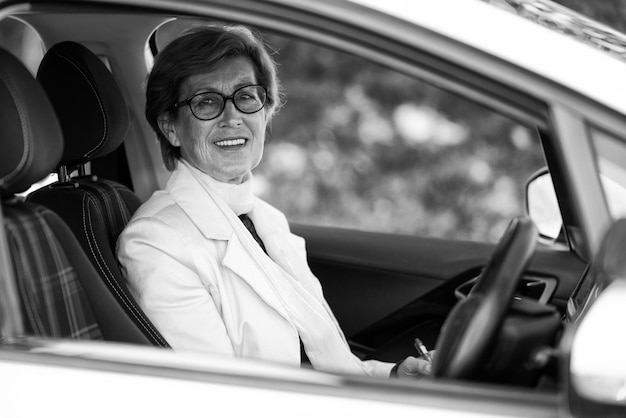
[
  {"x": 324, "y": 342},
  {"x": 238, "y": 197}
]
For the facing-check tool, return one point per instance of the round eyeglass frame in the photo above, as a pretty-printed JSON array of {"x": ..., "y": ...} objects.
[{"x": 225, "y": 98}]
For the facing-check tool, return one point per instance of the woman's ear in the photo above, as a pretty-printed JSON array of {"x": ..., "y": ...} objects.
[{"x": 168, "y": 128}]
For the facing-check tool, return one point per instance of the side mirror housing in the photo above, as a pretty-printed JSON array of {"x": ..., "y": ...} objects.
[{"x": 542, "y": 205}]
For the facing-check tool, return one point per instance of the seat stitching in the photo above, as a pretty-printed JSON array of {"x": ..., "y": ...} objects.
[
  {"x": 91, "y": 239},
  {"x": 112, "y": 283},
  {"x": 86, "y": 200},
  {"x": 110, "y": 200}
]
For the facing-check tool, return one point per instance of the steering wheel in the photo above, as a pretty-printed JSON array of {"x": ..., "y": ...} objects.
[{"x": 471, "y": 327}]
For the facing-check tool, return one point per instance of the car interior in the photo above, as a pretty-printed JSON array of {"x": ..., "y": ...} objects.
[{"x": 73, "y": 118}]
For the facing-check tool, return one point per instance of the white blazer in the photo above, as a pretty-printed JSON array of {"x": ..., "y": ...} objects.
[{"x": 193, "y": 278}]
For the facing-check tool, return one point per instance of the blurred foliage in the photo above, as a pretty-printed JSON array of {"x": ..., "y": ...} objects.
[{"x": 362, "y": 146}]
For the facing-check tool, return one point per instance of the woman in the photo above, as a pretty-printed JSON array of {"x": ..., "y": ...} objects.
[{"x": 215, "y": 268}]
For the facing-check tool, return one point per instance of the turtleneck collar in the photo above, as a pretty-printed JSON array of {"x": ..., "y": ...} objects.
[{"x": 238, "y": 197}]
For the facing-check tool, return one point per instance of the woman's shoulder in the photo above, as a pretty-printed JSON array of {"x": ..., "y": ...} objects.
[
  {"x": 159, "y": 221},
  {"x": 160, "y": 208},
  {"x": 156, "y": 204}
]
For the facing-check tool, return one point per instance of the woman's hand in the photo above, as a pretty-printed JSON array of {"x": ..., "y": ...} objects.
[{"x": 414, "y": 367}]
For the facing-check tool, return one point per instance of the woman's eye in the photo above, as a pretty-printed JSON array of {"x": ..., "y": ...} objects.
[{"x": 207, "y": 101}]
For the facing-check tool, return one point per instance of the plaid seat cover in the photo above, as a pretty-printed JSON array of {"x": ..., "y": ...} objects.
[{"x": 53, "y": 301}]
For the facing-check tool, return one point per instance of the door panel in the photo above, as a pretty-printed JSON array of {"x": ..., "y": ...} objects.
[{"x": 387, "y": 289}]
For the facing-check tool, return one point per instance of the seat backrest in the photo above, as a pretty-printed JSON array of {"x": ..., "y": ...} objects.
[
  {"x": 94, "y": 120},
  {"x": 60, "y": 294}
]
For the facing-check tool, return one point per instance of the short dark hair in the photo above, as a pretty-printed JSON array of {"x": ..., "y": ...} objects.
[{"x": 200, "y": 50}]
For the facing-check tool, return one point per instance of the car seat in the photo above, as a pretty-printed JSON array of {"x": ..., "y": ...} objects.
[
  {"x": 94, "y": 120},
  {"x": 55, "y": 289}
]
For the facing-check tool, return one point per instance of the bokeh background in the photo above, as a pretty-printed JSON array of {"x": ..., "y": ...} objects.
[{"x": 361, "y": 146}]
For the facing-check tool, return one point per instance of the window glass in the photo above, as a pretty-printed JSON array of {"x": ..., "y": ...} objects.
[
  {"x": 611, "y": 154},
  {"x": 361, "y": 146}
]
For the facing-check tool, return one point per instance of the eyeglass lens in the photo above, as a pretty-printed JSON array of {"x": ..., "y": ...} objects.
[{"x": 249, "y": 99}]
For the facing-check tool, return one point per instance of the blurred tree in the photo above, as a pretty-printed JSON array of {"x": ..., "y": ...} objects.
[{"x": 359, "y": 145}]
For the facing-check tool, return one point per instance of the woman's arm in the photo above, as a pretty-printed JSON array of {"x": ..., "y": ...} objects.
[{"x": 162, "y": 275}]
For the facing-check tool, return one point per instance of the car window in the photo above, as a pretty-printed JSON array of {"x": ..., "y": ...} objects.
[
  {"x": 361, "y": 146},
  {"x": 611, "y": 156}
]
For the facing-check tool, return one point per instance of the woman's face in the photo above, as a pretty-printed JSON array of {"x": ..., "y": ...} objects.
[{"x": 229, "y": 146}]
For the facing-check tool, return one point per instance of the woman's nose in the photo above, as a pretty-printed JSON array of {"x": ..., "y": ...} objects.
[{"x": 231, "y": 116}]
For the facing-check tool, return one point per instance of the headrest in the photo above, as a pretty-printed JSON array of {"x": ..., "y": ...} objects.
[
  {"x": 88, "y": 102},
  {"x": 30, "y": 135}
]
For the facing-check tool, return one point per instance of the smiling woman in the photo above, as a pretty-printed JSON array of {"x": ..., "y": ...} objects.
[
  {"x": 229, "y": 147},
  {"x": 176, "y": 78},
  {"x": 210, "y": 95}
]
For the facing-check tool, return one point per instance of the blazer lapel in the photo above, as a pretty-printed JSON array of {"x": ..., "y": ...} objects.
[
  {"x": 237, "y": 260},
  {"x": 285, "y": 249},
  {"x": 211, "y": 222}
]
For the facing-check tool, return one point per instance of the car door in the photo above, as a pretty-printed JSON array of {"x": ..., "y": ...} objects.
[{"x": 386, "y": 290}]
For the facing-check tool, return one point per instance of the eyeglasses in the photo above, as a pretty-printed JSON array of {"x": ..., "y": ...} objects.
[{"x": 209, "y": 105}]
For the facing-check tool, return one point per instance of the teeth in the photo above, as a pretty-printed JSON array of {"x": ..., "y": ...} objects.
[{"x": 230, "y": 142}]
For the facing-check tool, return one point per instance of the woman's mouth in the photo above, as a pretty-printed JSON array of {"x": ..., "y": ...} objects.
[{"x": 235, "y": 142}]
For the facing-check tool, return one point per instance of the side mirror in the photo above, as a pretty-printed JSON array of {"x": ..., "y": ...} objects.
[{"x": 542, "y": 206}]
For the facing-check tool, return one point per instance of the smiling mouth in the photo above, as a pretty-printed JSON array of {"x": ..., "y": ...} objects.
[{"x": 231, "y": 142}]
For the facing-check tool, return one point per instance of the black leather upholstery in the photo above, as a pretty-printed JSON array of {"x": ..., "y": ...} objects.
[
  {"x": 60, "y": 293},
  {"x": 24, "y": 159},
  {"x": 89, "y": 104},
  {"x": 94, "y": 119}
]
